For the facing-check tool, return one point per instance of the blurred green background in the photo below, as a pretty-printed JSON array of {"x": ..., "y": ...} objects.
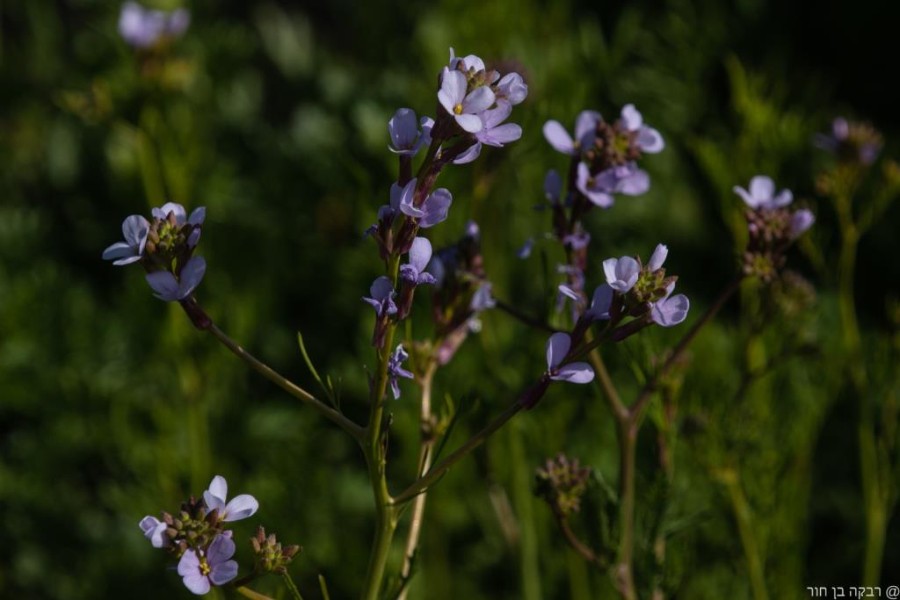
[{"x": 273, "y": 116}]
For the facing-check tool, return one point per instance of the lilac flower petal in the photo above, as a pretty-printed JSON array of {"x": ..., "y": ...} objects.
[
  {"x": 381, "y": 288},
  {"x": 745, "y": 195},
  {"x": 170, "y": 207},
  {"x": 198, "y": 215},
  {"x": 478, "y": 100},
  {"x": 482, "y": 299},
  {"x": 493, "y": 117},
  {"x": 154, "y": 530},
  {"x": 404, "y": 131},
  {"x": 221, "y": 549},
  {"x": 191, "y": 275},
  {"x": 224, "y": 572},
  {"x": 504, "y": 134},
  {"x": 469, "y": 122},
  {"x": 240, "y": 507},
  {"x": 135, "y": 229},
  {"x": 762, "y": 187},
  {"x": 216, "y": 494},
  {"x": 401, "y": 195},
  {"x": 420, "y": 253},
  {"x": 567, "y": 291},
  {"x": 557, "y": 348},
  {"x": 600, "y": 303},
  {"x": 783, "y": 198},
  {"x": 468, "y": 155},
  {"x": 196, "y": 583},
  {"x": 164, "y": 285},
  {"x": 634, "y": 184},
  {"x": 188, "y": 563},
  {"x": 513, "y": 88},
  {"x": 122, "y": 253},
  {"x": 599, "y": 197},
  {"x": 453, "y": 90},
  {"x": 650, "y": 140},
  {"x": 631, "y": 118},
  {"x": 670, "y": 311},
  {"x": 179, "y": 20},
  {"x": 436, "y": 207},
  {"x": 559, "y": 138},
  {"x": 578, "y": 372},
  {"x": 586, "y": 126},
  {"x": 658, "y": 257}
]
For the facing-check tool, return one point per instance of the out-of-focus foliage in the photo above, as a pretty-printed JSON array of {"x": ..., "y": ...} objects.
[{"x": 273, "y": 115}]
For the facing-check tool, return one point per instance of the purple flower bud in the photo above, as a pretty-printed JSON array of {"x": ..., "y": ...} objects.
[
  {"x": 762, "y": 194},
  {"x": 552, "y": 186},
  {"x": 406, "y": 138},
  {"x": 419, "y": 255},
  {"x": 525, "y": 251},
  {"x": 482, "y": 299},
  {"x": 154, "y": 530},
  {"x": 801, "y": 220},
  {"x": 621, "y": 273},
  {"x": 382, "y": 297},
  {"x": 658, "y": 257},
  {"x": 557, "y": 349}
]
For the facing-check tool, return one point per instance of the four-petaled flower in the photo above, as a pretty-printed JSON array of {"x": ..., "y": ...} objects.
[
  {"x": 625, "y": 179},
  {"x": 143, "y": 28},
  {"x": 419, "y": 256},
  {"x": 557, "y": 349},
  {"x": 240, "y": 507},
  {"x": 463, "y": 107},
  {"x": 762, "y": 194},
  {"x": 154, "y": 530},
  {"x": 648, "y": 139},
  {"x": 395, "y": 369},
  {"x": 200, "y": 570},
  {"x": 382, "y": 297},
  {"x": 493, "y": 132},
  {"x": 431, "y": 212}
]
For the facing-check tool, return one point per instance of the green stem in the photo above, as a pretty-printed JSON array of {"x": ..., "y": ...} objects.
[
  {"x": 291, "y": 586},
  {"x": 876, "y": 529},
  {"x": 287, "y": 385},
  {"x": 624, "y": 569},
  {"x": 248, "y": 593},
  {"x": 744, "y": 517},
  {"x": 425, "y": 457}
]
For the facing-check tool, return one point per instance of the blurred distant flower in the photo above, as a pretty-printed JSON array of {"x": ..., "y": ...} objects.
[
  {"x": 135, "y": 229},
  {"x": 143, "y": 28},
  {"x": 154, "y": 530},
  {"x": 585, "y": 131},
  {"x": 169, "y": 288},
  {"x": 851, "y": 141},
  {"x": 599, "y": 188},
  {"x": 557, "y": 349},
  {"x": 648, "y": 139},
  {"x": 801, "y": 220},
  {"x": 199, "y": 570},
  {"x": 483, "y": 299},
  {"x": 525, "y": 251},
  {"x": 762, "y": 194},
  {"x": 240, "y": 507},
  {"x": 406, "y": 137},
  {"x": 382, "y": 297},
  {"x": 395, "y": 369}
]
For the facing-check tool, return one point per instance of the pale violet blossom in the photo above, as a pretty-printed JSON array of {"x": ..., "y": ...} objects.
[
  {"x": 557, "y": 349},
  {"x": 240, "y": 507}
]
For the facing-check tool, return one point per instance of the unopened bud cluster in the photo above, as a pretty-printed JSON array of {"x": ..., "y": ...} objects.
[
  {"x": 270, "y": 556},
  {"x": 562, "y": 482}
]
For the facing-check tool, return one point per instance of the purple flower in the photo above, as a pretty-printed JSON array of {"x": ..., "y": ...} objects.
[
  {"x": 493, "y": 133},
  {"x": 600, "y": 303},
  {"x": 762, "y": 194},
  {"x": 482, "y": 299},
  {"x": 463, "y": 107},
  {"x": 168, "y": 288},
  {"x": 585, "y": 130},
  {"x": 431, "y": 212},
  {"x": 406, "y": 138},
  {"x": 154, "y": 530},
  {"x": 214, "y": 567},
  {"x": 419, "y": 255},
  {"x": 801, "y": 220},
  {"x": 648, "y": 139},
  {"x": 621, "y": 273},
  {"x": 557, "y": 348},
  {"x": 395, "y": 369},
  {"x": 240, "y": 507},
  {"x": 578, "y": 240},
  {"x": 658, "y": 257},
  {"x": 599, "y": 189},
  {"x": 670, "y": 310},
  {"x": 143, "y": 28},
  {"x": 135, "y": 229},
  {"x": 511, "y": 89},
  {"x": 382, "y": 297},
  {"x": 840, "y": 133}
]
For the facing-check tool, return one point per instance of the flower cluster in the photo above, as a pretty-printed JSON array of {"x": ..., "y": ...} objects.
[
  {"x": 606, "y": 155},
  {"x": 562, "y": 482},
  {"x": 198, "y": 538},
  {"x": 165, "y": 248},
  {"x": 851, "y": 142},
  {"x": 772, "y": 225},
  {"x": 144, "y": 28},
  {"x": 271, "y": 557}
]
